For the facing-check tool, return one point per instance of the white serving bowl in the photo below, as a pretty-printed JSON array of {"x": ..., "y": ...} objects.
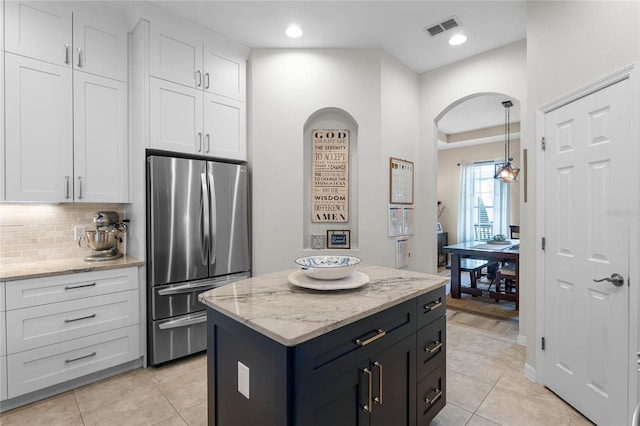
[{"x": 328, "y": 267}]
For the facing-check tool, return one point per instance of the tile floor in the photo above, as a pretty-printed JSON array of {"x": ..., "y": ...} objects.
[{"x": 485, "y": 386}]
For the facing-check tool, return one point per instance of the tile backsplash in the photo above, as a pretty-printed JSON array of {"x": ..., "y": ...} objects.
[{"x": 35, "y": 232}]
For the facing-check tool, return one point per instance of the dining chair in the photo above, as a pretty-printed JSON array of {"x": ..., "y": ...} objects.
[
  {"x": 513, "y": 230},
  {"x": 507, "y": 274}
]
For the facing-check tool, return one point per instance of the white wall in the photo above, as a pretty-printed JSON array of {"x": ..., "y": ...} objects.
[
  {"x": 286, "y": 87},
  {"x": 569, "y": 45}
]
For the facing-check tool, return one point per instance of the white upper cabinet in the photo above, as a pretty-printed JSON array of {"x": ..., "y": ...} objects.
[
  {"x": 225, "y": 127},
  {"x": 100, "y": 43},
  {"x": 176, "y": 54},
  {"x": 40, "y": 30},
  {"x": 39, "y": 134},
  {"x": 224, "y": 71},
  {"x": 100, "y": 139}
]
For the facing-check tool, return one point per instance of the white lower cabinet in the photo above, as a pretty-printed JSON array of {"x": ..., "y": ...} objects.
[
  {"x": 64, "y": 327},
  {"x": 3, "y": 347},
  {"x": 3, "y": 378}
]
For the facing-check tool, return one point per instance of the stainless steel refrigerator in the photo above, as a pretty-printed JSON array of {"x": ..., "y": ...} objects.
[{"x": 198, "y": 239}]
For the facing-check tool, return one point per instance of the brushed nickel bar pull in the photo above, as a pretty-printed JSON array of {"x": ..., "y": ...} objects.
[
  {"x": 208, "y": 143},
  {"x": 379, "y": 333},
  {"x": 69, "y": 287},
  {"x": 198, "y": 78},
  {"x": 368, "y": 407},
  {"x": 79, "y": 319},
  {"x": 438, "y": 345},
  {"x": 206, "y": 80},
  {"x": 435, "y": 397},
  {"x": 66, "y": 54},
  {"x": 79, "y": 57},
  {"x": 432, "y": 305},
  {"x": 66, "y": 178},
  {"x": 378, "y": 398},
  {"x": 67, "y": 361},
  {"x": 199, "y": 141},
  {"x": 79, "y": 187}
]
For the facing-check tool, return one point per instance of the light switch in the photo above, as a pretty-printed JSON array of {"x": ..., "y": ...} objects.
[{"x": 243, "y": 379}]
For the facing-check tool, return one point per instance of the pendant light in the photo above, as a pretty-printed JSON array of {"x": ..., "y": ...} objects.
[{"x": 507, "y": 172}]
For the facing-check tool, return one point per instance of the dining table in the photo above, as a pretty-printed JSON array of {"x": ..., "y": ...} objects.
[{"x": 504, "y": 251}]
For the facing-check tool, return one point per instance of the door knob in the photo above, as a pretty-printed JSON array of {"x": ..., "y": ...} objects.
[{"x": 615, "y": 279}]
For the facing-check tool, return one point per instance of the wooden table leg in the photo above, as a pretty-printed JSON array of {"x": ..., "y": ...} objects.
[{"x": 455, "y": 275}]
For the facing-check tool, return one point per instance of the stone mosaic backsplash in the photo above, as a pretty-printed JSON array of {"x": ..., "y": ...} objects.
[{"x": 36, "y": 232}]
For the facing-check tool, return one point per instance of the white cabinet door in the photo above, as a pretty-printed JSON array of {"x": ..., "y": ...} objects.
[
  {"x": 175, "y": 54},
  {"x": 100, "y": 139},
  {"x": 100, "y": 42},
  {"x": 225, "y": 74},
  {"x": 38, "y": 128},
  {"x": 175, "y": 116},
  {"x": 40, "y": 30},
  {"x": 225, "y": 127},
  {"x": 3, "y": 378}
]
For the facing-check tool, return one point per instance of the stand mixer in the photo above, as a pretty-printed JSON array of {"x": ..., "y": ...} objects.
[{"x": 104, "y": 240}]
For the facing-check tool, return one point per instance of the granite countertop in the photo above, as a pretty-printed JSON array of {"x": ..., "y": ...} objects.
[
  {"x": 47, "y": 268},
  {"x": 290, "y": 315}
]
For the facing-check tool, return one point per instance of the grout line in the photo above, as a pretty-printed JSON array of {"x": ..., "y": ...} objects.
[{"x": 75, "y": 397}]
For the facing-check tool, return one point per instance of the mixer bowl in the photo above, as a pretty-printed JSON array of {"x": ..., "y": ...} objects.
[{"x": 102, "y": 240}]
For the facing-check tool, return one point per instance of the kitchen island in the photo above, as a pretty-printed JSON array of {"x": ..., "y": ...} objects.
[{"x": 283, "y": 355}]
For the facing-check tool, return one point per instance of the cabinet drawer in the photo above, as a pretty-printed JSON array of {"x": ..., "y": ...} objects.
[
  {"x": 50, "y": 365},
  {"x": 41, "y": 291},
  {"x": 432, "y": 393},
  {"x": 326, "y": 356},
  {"x": 432, "y": 348},
  {"x": 431, "y": 306},
  {"x": 44, "y": 325}
]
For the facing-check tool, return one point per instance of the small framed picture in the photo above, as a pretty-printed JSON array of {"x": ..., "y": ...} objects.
[
  {"x": 438, "y": 227},
  {"x": 317, "y": 242},
  {"x": 338, "y": 239}
]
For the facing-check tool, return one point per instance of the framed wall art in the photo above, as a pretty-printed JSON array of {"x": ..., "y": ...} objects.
[{"x": 338, "y": 239}]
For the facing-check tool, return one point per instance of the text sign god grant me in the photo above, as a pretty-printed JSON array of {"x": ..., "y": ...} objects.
[{"x": 330, "y": 180}]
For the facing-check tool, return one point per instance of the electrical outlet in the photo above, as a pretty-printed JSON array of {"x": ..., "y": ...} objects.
[
  {"x": 243, "y": 379},
  {"x": 78, "y": 232}
]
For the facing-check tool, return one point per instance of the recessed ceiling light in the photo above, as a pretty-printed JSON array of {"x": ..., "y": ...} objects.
[
  {"x": 457, "y": 39},
  {"x": 294, "y": 31}
]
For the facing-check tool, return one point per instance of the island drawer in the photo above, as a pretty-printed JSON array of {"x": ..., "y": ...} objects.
[
  {"x": 431, "y": 346},
  {"x": 432, "y": 393},
  {"x": 431, "y": 306},
  {"x": 326, "y": 356}
]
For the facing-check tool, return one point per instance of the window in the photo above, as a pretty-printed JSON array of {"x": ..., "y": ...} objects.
[{"x": 483, "y": 212}]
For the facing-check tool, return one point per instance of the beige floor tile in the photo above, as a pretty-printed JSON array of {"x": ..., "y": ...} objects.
[
  {"x": 196, "y": 415},
  {"x": 175, "y": 369},
  {"x": 512, "y": 408},
  {"x": 477, "y": 420},
  {"x": 451, "y": 415},
  {"x": 186, "y": 390},
  {"x": 465, "y": 392},
  {"x": 578, "y": 419},
  {"x": 91, "y": 396},
  {"x": 138, "y": 408},
  {"x": 172, "y": 421},
  {"x": 484, "y": 368},
  {"x": 58, "y": 410},
  {"x": 514, "y": 380}
]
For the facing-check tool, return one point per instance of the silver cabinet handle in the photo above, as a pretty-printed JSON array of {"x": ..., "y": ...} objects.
[
  {"x": 79, "y": 187},
  {"x": 79, "y": 57},
  {"x": 615, "y": 279},
  {"x": 67, "y": 361},
  {"x": 69, "y": 287},
  {"x": 214, "y": 220},
  {"x": 198, "y": 78},
  {"x": 66, "y": 178},
  {"x": 206, "y": 246},
  {"x": 438, "y": 345},
  {"x": 208, "y": 143},
  {"x": 66, "y": 54},
  {"x": 80, "y": 319},
  {"x": 378, "y": 399},
  {"x": 435, "y": 397},
  {"x": 368, "y": 407},
  {"x": 432, "y": 305},
  {"x": 206, "y": 80},
  {"x": 184, "y": 322},
  {"x": 379, "y": 333}
]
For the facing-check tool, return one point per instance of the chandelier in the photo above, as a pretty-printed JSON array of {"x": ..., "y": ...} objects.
[{"x": 507, "y": 171}]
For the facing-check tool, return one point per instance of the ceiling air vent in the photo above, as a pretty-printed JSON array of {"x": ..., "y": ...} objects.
[{"x": 443, "y": 26}]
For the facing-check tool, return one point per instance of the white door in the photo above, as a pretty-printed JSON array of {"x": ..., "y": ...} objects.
[
  {"x": 100, "y": 42},
  {"x": 38, "y": 131},
  {"x": 175, "y": 54},
  {"x": 589, "y": 176},
  {"x": 40, "y": 30},
  {"x": 225, "y": 74},
  {"x": 175, "y": 117},
  {"x": 225, "y": 127},
  {"x": 100, "y": 139}
]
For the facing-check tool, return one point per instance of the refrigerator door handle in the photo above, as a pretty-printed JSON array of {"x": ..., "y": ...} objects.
[
  {"x": 205, "y": 214},
  {"x": 183, "y": 322},
  {"x": 214, "y": 224}
]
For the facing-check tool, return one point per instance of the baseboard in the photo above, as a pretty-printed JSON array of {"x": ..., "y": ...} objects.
[
  {"x": 522, "y": 340},
  {"x": 530, "y": 372}
]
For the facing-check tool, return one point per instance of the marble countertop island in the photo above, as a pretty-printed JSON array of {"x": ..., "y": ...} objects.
[{"x": 290, "y": 315}]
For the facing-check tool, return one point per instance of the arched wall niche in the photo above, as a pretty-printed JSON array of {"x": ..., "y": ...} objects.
[{"x": 330, "y": 118}]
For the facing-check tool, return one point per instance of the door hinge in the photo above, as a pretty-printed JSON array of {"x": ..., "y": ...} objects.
[
  {"x": 543, "y": 344},
  {"x": 544, "y": 243},
  {"x": 544, "y": 144}
]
